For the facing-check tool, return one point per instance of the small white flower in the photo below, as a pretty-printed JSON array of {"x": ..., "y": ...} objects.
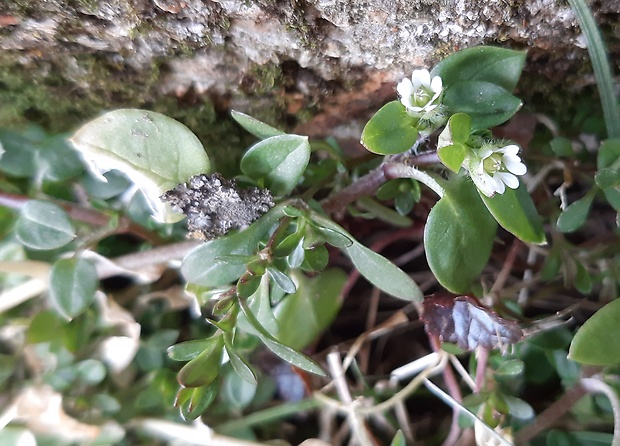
[
  {"x": 420, "y": 95},
  {"x": 493, "y": 168}
]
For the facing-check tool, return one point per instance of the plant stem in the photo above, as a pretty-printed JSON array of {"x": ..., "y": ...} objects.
[
  {"x": 397, "y": 170},
  {"x": 269, "y": 415}
]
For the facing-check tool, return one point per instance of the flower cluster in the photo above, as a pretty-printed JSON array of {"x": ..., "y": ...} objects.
[
  {"x": 492, "y": 168},
  {"x": 422, "y": 96}
]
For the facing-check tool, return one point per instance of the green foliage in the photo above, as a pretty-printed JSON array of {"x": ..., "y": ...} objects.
[
  {"x": 390, "y": 130},
  {"x": 458, "y": 237},
  {"x": 594, "y": 342},
  {"x": 155, "y": 151},
  {"x": 43, "y": 225},
  {"x": 273, "y": 283},
  {"x": 73, "y": 283}
]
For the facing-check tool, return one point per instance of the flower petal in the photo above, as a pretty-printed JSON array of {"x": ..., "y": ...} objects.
[
  {"x": 421, "y": 78},
  {"x": 508, "y": 179},
  {"x": 436, "y": 85},
  {"x": 500, "y": 188},
  {"x": 404, "y": 88},
  {"x": 511, "y": 149},
  {"x": 516, "y": 168}
]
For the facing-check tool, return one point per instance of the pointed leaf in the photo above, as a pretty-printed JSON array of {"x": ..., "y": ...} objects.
[
  {"x": 514, "y": 210},
  {"x": 304, "y": 315},
  {"x": 390, "y": 131},
  {"x": 282, "y": 280},
  {"x": 73, "y": 284},
  {"x": 374, "y": 267},
  {"x": 576, "y": 214},
  {"x": 458, "y": 237},
  {"x": 188, "y": 350},
  {"x": 279, "y": 160},
  {"x": 204, "y": 368},
  {"x": 482, "y": 63},
  {"x": 596, "y": 341},
  {"x": 153, "y": 150},
  {"x": 487, "y": 103},
  {"x": 281, "y": 350},
  {"x": 43, "y": 225},
  {"x": 241, "y": 367},
  {"x": 254, "y": 126}
]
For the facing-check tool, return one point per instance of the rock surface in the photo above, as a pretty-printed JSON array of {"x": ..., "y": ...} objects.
[{"x": 322, "y": 66}]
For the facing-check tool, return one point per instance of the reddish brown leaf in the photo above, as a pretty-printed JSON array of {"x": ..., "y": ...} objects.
[{"x": 464, "y": 321}]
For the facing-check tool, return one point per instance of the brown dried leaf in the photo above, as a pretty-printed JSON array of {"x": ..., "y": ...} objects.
[{"x": 464, "y": 321}]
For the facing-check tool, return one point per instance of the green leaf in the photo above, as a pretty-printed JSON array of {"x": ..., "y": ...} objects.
[
  {"x": 283, "y": 351},
  {"x": 511, "y": 367},
  {"x": 487, "y": 103},
  {"x": 43, "y": 225},
  {"x": 458, "y": 236},
  {"x": 576, "y": 214},
  {"x": 279, "y": 161},
  {"x": 18, "y": 159},
  {"x": 457, "y": 130},
  {"x": 304, "y": 315},
  {"x": 202, "y": 265},
  {"x": 254, "y": 126},
  {"x": 73, "y": 284},
  {"x": 204, "y": 368},
  {"x": 154, "y": 151},
  {"x": 188, "y": 350},
  {"x": 399, "y": 439},
  {"x": 56, "y": 161},
  {"x": 595, "y": 343},
  {"x": 452, "y": 147},
  {"x": 499, "y": 66},
  {"x": 608, "y": 158},
  {"x": 390, "y": 131},
  {"x": 315, "y": 258},
  {"x": 562, "y": 147},
  {"x": 197, "y": 399},
  {"x": 282, "y": 280},
  {"x": 514, "y": 210},
  {"x": 452, "y": 156},
  {"x": 241, "y": 367},
  {"x": 374, "y": 267},
  {"x": 237, "y": 392}
]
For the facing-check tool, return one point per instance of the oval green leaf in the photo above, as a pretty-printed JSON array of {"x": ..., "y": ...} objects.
[
  {"x": 487, "y": 104},
  {"x": 458, "y": 237},
  {"x": 576, "y": 214},
  {"x": 596, "y": 342},
  {"x": 43, "y": 225},
  {"x": 279, "y": 161},
  {"x": 154, "y": 151},
  {"x": 390, "y": 131},
  {"x": 304, "y": 315},
  {"x": 499, "y": 66},
  {"x": 254, "y": 126},
  {"x": 73, "y": 284},
  {"x": 514, "y": 210}
]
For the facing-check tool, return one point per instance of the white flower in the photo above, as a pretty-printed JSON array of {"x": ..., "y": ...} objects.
[
  {"x": 420, "y": 95},
  {"x": 492, "y": 168}
]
